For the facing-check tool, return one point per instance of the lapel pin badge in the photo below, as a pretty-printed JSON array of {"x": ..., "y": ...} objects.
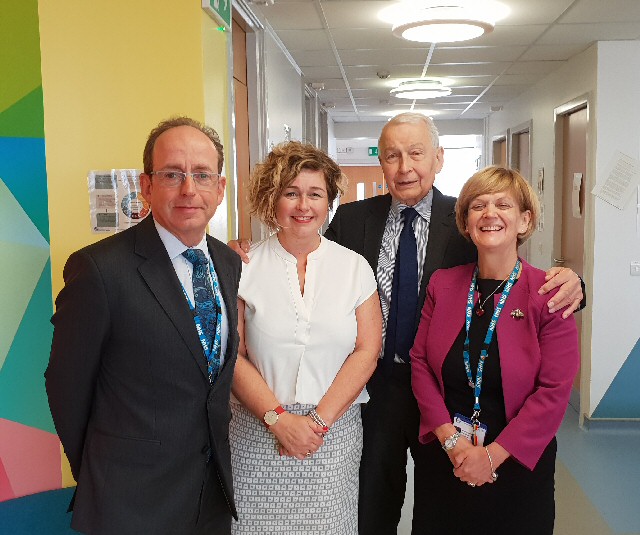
[{"x": 517, "y": 314}]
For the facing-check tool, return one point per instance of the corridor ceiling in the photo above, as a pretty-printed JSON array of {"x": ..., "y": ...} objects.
[{"x": 344, "y": 45}]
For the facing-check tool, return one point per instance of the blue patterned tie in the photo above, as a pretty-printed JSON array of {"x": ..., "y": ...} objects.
[
  {"x": 207, "y": 309},
  {"x": 404, "y": 294}
]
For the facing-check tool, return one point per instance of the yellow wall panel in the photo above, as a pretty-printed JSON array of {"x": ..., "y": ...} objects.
[{"x": 110, "y": 73}]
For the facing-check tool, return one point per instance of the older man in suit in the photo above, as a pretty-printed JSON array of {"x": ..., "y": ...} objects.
[{"x": 144, "y": 347}]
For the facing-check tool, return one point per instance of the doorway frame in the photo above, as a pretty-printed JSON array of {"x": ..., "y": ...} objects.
[
  {"x": 495, "y": 141},
  {"x": 513, "y": 145},
  {"x": 256, "y": 85},
  {"x": 581, "y": 399}
]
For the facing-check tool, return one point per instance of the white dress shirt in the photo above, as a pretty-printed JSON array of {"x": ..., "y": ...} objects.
[
  {"x": 184, "y": 270},
  {"x": 389, "y": 248}
]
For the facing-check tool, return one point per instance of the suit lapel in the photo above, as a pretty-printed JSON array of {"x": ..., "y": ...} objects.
[
  {"x": 441, "y": 225},
  {"x": 452, "y": 304},
  {"x": 512, "y": 332},
  {"x": 374, "y": 226},
  {"x": 226, "y": 278},
  {"x": 160, "y": 276}
]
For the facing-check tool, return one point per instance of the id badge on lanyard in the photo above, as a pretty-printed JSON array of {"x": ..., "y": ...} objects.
[
  {"x": 472, "y": 431},
  {"x": 472, "y": 428}
]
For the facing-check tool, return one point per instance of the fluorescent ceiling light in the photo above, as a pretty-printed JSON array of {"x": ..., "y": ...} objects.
[
  {"x": 437, "y": 21},
  {"x": 420, "y": 89}
]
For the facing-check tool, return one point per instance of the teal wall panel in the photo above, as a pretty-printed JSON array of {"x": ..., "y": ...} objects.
[
  {"x": 22, "y": 394},
  {"x": 23, "y": 170},
  {"x": 622, "y": 398}
]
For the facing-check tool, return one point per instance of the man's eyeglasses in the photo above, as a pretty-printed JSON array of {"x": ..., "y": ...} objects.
[{"x": 173, "y": 179}]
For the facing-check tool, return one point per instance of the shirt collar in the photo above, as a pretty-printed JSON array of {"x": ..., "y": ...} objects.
[
  {"x": 423, "y": 206},
  {"x": 174, "y": 246}
]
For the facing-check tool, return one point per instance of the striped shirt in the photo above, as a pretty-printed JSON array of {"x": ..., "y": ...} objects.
[{"x": 387, "y": 258}]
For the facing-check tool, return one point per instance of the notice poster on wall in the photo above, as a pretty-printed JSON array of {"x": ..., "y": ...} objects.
[
  {"x": 115, "y": 200},
  {"x": 621, "y": 179}
]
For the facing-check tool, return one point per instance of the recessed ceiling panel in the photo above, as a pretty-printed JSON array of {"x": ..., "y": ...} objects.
[
  {"x": 464, "y": 54},
  {"x": 588, "y": 33},
  {"x": 598, "y": 11}
]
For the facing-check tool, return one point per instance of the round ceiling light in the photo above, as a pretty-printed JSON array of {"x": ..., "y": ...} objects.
[
  {"x": 441, "y": 30},
  {"x": 420, "y": 89},
  {"x": 437, "y": 21}
]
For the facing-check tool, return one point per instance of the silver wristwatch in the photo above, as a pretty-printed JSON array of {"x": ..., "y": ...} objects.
[{"x": 450, "y": 442}]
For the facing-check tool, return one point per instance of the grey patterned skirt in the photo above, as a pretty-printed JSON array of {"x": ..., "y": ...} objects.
[{"x": 273, "y": 494}]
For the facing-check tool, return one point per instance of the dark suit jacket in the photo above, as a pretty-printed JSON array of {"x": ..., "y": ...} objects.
[
  {"x": 128, "y": 388},
  {"x": 360, "y": 226}
]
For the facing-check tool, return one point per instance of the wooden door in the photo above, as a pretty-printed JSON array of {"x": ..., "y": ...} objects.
[
  {"x": 500, "y": 152},
  {"x": 239, "y": 39},
  {"x": 521, "y": 161},
  {"x": 522, "y": 156},
  {"x": 370, "y": 178}
]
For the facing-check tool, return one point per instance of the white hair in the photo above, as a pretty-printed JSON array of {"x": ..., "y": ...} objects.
[{"x": 414, "y": 118}]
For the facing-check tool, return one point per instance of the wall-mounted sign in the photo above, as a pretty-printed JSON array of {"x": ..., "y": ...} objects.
[
  {"x": 621, "y": 178},
  {"x": 116, "y": 202},
  {"x": 220, "y": 11},
  {"x": 373, "y": 151}
]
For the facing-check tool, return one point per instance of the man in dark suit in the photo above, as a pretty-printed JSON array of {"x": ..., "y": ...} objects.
[
  {"x": 410, "y": 156},
  {"x": 139, "y": 394}
]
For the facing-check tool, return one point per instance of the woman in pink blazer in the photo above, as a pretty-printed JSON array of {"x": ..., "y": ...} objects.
[{"x": 492, "y": 371}]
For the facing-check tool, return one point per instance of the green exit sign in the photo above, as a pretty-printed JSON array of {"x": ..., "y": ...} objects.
[
  {"x": 220, "y": 10},
  {"x": 373, "y": 151}
]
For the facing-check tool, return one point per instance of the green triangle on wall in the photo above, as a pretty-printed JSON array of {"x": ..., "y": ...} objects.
[{"x": 25, "y": 118}]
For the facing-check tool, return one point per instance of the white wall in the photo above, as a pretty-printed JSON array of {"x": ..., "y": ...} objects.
[
  {"x": 356, "y": 151},
  {"x": 372, "y": 129},
  {"x": 332, "y": 148},
  {"x": 607, "y": 74},
  {"x": 353, "y": 140},
  {"x": 576, "y": 78},
  {"x": 616, "y": 294},
  {"x": 285, "y": 94}
]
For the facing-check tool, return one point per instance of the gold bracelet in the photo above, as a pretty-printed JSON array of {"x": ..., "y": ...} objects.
[{"x": 494, "y": 476}]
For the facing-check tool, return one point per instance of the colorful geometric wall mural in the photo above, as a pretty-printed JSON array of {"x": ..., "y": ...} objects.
[{"x": 30, "y": 456}]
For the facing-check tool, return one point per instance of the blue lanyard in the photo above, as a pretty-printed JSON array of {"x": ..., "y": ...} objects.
[
  {"x": 212, "y": 351},
  {"x": 487, "y": 339}
]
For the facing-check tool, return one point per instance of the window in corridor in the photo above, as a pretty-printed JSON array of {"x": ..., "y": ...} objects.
[{"x": 462, "y": 155}]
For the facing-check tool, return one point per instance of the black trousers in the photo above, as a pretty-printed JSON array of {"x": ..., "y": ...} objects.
[{"x": 390, "y": 420}]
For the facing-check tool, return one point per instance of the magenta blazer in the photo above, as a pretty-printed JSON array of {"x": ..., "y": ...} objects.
[{"x": 539, "y": 358}]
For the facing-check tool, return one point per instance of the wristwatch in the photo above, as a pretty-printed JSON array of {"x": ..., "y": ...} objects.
[
  {"x": 450, "y": 442},
  {"x": 271, "y": 417}
]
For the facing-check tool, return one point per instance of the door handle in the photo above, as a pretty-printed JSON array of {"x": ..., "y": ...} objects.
[{"x": 559, "y": 260}]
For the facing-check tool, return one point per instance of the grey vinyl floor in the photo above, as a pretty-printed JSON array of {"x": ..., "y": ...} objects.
[{"x": 597, "y": 480}]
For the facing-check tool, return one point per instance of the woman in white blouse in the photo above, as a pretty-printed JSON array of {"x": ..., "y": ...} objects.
[{"x": 310, "y": 335}]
